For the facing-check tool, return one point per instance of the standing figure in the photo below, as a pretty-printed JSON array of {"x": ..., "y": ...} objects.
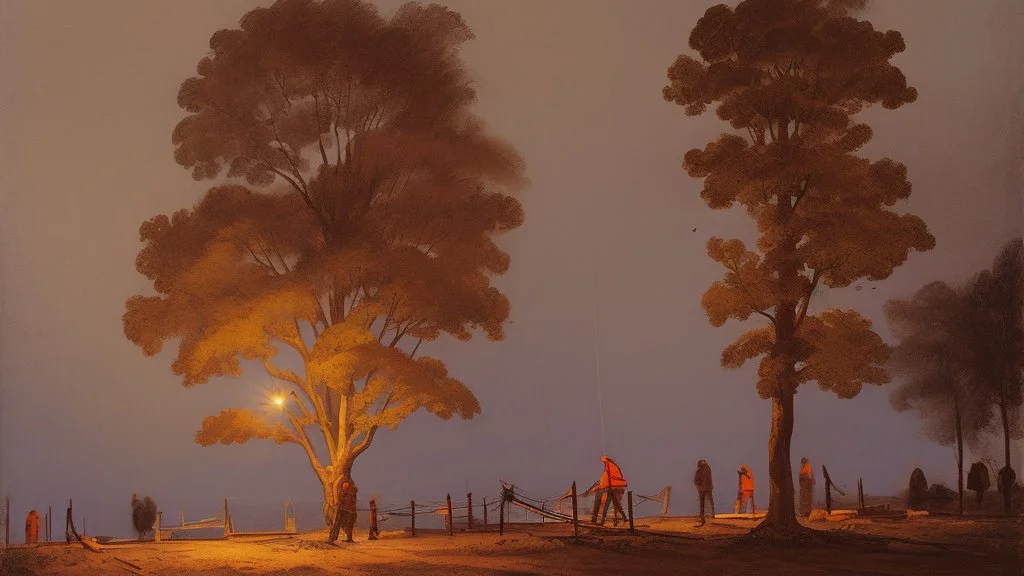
[
  {"x": 374, "y": 532},
  {"x": 608, "y": 490},
  {"x": 705, "y": 488},
  {"x": 978, "y": 480},
  {"x": 345, "y": 519},
  {"x": 32, "y": 527},
  {"x": 917, "y": 494},
  {"x": 806, "y": 487},
  {"x": 746, "y": 490}
]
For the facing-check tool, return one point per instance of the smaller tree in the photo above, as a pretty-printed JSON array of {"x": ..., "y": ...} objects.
[
  {"x": 933, "y": 360},
  {"x": 996, "y": 332}
]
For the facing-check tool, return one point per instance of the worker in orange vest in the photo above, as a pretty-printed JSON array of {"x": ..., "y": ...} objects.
[
  {"x": 608, "y": 490},
  {"x": 32, "y": 527},
  {"x": 746, "y": 490},
  {"x": 806, "y": 487}
]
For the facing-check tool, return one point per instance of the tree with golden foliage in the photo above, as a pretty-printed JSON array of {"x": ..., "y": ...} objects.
[
  {"x": 789, "y": 76},
  {"x": 365, "y": 224}
]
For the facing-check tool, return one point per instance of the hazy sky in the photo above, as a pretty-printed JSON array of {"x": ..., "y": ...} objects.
[{"x": 88, "y": 104}]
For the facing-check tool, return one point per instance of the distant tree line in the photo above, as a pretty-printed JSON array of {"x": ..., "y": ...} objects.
[{"x": 961, "y": 361}]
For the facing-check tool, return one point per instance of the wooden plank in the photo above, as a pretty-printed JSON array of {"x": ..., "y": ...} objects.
[
  {"x": 90, "y": 544},
  {"x": 756, "y": 516}
]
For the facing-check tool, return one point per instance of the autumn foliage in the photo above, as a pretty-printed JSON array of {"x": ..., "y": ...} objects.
[
  {"x": 361, "y": 221},
  {"x": 789, "y": 76}
]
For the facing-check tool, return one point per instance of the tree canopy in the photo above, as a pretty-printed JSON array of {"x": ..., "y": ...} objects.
[
  {"x": 934, "y": 363},
  {"x": 789, "y": 76},
  {"x": 361, "y": 222}
]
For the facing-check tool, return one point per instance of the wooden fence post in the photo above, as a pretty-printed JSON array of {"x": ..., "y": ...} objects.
[
  {"x": 49, "y": 522},
  {"x": 451, "y": 518},
  {"x": 629, "y": 498},
  {"x": 575, "y": 515},
  {"x": 156, "y": 528},
  {"x": 485, "y": 513},
  {"x": 542, "y": 504},
  {"x": 860, "y": 494},
  {"x": 412, "y": 507},
  {"x": 227, "y": 519},
  {"x": 668, "y": 497},
  {"x": 501, "y": 515},
  {"x": 469, "y": 499},
  {"x": 7, "y": 521}
]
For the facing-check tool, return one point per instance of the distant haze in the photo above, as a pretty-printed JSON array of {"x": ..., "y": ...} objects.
[{"x": 87, "y": 105}]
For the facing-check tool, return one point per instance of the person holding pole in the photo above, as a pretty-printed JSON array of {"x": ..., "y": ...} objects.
[{"x": 608, "y": 490}]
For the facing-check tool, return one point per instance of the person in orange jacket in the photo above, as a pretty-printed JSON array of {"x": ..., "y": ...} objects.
[
  {"x": 746, "y": 490},
  {"x": 608, "y": 490},
  {"x": 806, "y": 487},
  {"x": 32, "y": 527}
]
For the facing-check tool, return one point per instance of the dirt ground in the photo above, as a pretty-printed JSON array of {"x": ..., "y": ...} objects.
[{"x": 664, "y": 546}]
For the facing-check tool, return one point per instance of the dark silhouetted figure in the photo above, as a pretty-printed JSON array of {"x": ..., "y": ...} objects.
[
  {"x": 978, "y": 480},
  {"x": 1007, "y": 478},
  {"x": 806, "y": 487},
  {"x": 143, "y": 515},
  {"x": 345, "y": 519},
  {"x": 918, "y": 493},
  {"x": 32, "y": 527},
  {"x": 374, "y": 532},
  {"x": 705, "y": 488}
]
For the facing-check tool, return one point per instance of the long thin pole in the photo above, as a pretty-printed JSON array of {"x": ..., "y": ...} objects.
[
  {"x": 597, "y": 356},
  {"x": 451, "y": 519},
  {"x": 412, "y": 508},
  {"x": 485, "y": 513},
  {"x": 575, "y": 515},
  {"x": 501, "y": 517},
  {"x": 629, "y": 496}
]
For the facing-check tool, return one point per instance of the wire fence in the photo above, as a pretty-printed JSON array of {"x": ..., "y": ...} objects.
[{"x": 244, "y": 515}]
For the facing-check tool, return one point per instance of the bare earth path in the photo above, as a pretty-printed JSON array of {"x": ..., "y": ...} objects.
[{"x": 977, "y": 547}]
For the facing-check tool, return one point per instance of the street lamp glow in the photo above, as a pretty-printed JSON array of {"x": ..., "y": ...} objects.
[{"x": 279, "y": 401}]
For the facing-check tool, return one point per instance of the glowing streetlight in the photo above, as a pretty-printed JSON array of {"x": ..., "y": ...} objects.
[{"x": 278, "y": 401}]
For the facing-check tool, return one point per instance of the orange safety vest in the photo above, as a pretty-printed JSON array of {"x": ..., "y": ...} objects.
[
  {"x": 612, "y": 476},
  {"x": 747, "y": 480},
  {"x": 806, "y": 472}
]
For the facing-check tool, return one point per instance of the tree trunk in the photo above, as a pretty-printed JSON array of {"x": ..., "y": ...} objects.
[
  {"x": 781, "y": 511},
  {"x": 1006, "y": 490},
  {"x": 959, "y": 453},
  {"x": 330, "y": 507}
]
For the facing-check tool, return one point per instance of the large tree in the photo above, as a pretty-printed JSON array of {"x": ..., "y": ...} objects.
[
  {"x": 997, "y": 337},
  {"x": 789, "y": 76},
  {"x": 934, "y": 361},
  {"x": 360, "y": 223}
]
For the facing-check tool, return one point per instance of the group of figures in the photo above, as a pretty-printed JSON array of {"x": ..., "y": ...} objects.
[{"x": 745, "y": 491}]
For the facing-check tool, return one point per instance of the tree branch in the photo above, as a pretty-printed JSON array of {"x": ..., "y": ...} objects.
[
  {"x": 752, "y": 303},
  {"x": 803, "y": 191},
  {"x": 807, "y": 298},
  {"x": 303, "y": 440}
]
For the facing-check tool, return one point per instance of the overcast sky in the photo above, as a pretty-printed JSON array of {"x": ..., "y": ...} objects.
[{"x": 88, "y": 104}]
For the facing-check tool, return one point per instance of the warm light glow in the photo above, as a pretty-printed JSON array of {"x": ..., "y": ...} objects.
[{"x": 279, "y": 400}]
